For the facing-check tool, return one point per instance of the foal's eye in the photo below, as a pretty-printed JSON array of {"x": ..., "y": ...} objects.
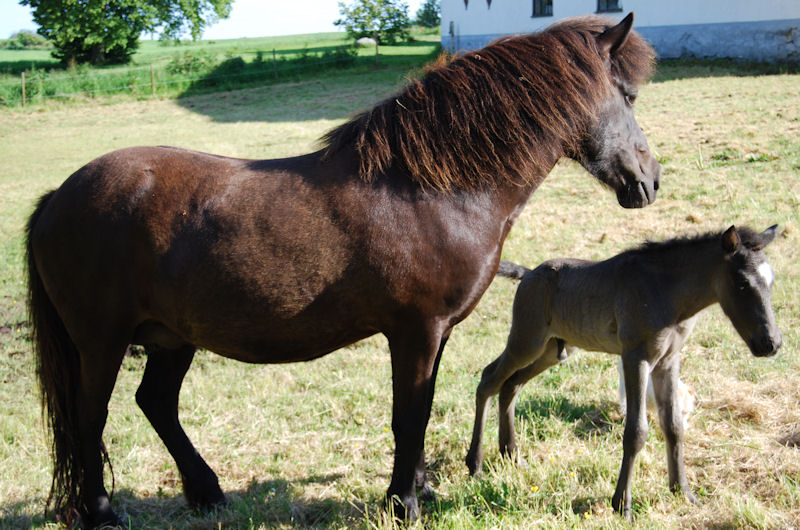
[{"x": 630, "y": 99}]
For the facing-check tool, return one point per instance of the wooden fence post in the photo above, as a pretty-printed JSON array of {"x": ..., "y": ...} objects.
[
  {"x": 152, "y": 81},
  {"x": 23, "y": 88},
  {"x": 274, "y": 64}
]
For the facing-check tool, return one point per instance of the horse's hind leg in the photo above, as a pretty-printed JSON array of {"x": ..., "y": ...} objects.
[
  {"x": 157, "y": 396},
  {"x": 99, "y": 367},
  {"x": 553, "y": 354}
]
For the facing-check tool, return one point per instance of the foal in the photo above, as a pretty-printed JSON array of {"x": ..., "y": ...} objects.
[
  {"x": 642, "y": 305},
  {"x": 686, "y": 395}
]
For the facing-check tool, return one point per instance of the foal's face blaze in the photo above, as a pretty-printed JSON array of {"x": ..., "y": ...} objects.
[
  {"x": 615, "y": 151},
  {"x": 745, "y": 299}
]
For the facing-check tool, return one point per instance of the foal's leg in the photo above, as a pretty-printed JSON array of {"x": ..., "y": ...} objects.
[
  {"x": 666, "y": 377},
  {"x": 636, "y": 371},
  {"x": 415, "y": 357},
  {"x": 157, "y": 396},
  {"x": 510, "y": 389},
  {"x": 520, "y": 351}
]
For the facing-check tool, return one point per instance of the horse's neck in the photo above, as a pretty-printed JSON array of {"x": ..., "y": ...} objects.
[{"x": 694, "y": 280}]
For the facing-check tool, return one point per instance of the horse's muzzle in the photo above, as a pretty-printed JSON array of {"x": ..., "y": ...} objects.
[
  {"x": 638, "y": 194},
  {"x": 766, "y": 345}
]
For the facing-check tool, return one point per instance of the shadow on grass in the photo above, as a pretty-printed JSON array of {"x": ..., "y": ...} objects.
[
  {"x": 16, "y": 67},
  {"x": 306, "y": 86},
  {"x": 262, "y": 504},
  {"x": 587, "y": 419},
  {"x": 673, "y": 69}
]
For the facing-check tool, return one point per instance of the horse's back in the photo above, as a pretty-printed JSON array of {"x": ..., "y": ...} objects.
[
  {"x": 263, "y": 261},
  {"x": 204, "y": 245}
]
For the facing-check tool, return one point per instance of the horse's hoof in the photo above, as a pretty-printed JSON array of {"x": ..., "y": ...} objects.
[
  {"x": 403, "y": 509},
  {"x": 426, "y": 492},
  {"x": 204, "y": 497},
  {"x": 107, "y": 519}
]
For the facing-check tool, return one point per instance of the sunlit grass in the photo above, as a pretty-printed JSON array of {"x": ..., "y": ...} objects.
[{"x": 310, "y": 444}]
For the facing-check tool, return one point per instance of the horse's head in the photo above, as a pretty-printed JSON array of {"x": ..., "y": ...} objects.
[
  {"x": 744, "y": 286},
  {"x": 614, "y": 148}
]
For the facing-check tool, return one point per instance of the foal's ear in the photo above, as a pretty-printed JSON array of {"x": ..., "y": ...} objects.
[
  {"x": 765, "y": 238},
  {"x": 614, "y": 37},
  {"x": 731, "y": 240}
]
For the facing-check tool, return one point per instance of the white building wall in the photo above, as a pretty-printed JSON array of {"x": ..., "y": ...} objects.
[{"x": 748, "y": 29}]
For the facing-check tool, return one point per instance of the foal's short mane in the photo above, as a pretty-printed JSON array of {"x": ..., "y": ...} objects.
[
  {"x": 494, "y": 114},
  {"x": 748, "y": 237}
]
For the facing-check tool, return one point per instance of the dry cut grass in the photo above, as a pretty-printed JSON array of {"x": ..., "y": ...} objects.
[{"x": 310, "y": 444}]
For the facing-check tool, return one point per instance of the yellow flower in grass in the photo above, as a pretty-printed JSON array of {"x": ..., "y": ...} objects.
[
  {"x": 587, "y": 515},
  {"x": 534, "y": 488}
]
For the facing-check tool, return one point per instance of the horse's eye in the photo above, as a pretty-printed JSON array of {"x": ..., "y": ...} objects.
[{"x": 630, "y": 99}]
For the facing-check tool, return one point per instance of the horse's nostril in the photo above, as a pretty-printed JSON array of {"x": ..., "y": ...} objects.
[{"x": 655, "y": 184}]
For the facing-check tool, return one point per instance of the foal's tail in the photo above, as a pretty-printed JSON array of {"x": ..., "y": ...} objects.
[
  {"x": 511, "y": 270},
  {"x": 59, "y": 380}
]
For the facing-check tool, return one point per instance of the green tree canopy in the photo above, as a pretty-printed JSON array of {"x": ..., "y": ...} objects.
[
  {"x": 108, "y": 31},
  {"x": 385, "y": 20},
  {"x": 429, "y": 14}
]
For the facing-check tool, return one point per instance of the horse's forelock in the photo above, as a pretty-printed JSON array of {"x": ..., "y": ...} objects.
[{"x": 500, "y": 113}]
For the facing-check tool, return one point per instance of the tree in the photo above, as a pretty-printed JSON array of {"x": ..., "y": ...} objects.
[
  {"x": 107, "y": 31},
  {"x": 385, "y": 20},
  {"x": 430, "y": 14}
]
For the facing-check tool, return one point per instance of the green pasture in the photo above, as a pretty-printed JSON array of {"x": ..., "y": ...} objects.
[
  {"x": 310, "y": 444},
  {"x": 169, "y": 69}
]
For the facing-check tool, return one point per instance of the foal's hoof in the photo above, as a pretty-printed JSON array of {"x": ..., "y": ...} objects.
[
  {"x": 622, "y": 508},
  {"x": 474, "y": 461},
  {"x": 689, "y": 496}
]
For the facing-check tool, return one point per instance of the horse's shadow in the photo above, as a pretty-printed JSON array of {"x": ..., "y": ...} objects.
[
  {"x": 587, "y": 419},
  {"x": 261, "y": 504}
]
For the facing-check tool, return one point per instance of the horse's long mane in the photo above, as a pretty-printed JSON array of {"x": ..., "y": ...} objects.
[{"x": 497, "y": 113}]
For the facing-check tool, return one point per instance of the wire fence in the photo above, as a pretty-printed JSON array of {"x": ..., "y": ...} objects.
[{"x": 191, "y": 72}]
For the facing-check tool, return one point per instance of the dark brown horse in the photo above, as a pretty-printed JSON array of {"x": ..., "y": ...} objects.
[{"x": 394, "y": 227}]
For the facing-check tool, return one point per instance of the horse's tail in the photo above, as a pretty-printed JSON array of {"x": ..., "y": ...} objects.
[
  {"x": 58, "y": 368},
  {"x": 511, "y": 270}
]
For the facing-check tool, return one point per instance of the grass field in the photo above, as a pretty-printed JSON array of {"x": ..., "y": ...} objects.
[
  {"x": 310, "y": 444},
  {"x": 168, "y": 69}
]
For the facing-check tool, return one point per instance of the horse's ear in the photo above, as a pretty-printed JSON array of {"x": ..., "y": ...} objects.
[
  {"x": 614, "y": 37},
  {"x": 765, "y": 237},
  {"x": 731, "y": 240}
]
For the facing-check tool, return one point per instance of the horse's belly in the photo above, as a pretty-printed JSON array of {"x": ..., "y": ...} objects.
[{"x": 278, "y": 349}]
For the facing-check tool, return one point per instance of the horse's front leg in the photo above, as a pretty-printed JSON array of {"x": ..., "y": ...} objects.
[
  {"x": 636, "y": 371},
  {"x": 415, "y": 352},
  {"x": 426, "y": 491},
  {"x": 666, "y": 377}
]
